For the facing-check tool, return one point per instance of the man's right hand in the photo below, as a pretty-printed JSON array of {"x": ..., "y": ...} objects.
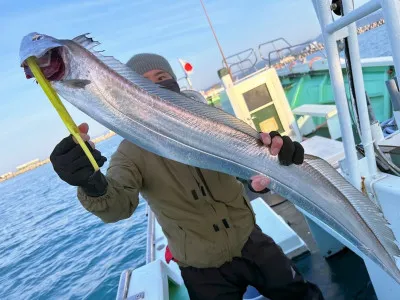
[{"x": 71, "y": 164}]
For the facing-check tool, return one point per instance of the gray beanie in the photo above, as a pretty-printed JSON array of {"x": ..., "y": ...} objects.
[{"x": 144, "y": 62}]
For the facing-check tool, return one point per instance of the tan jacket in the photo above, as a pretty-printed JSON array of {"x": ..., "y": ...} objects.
[{"x": 205, "y": 215}]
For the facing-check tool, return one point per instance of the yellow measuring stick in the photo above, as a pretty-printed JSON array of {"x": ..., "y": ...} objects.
[{"x": 59, "y": 106}]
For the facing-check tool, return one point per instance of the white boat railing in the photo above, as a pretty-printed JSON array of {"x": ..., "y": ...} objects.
[
  {"x": 345, "y": 26},
  {"x": 361, "y": 99},
  {"x": 391, "y": 13},
  {"x": 352, "y": 16},
  {"x": 322, "y": 8},
  {"x": 150, "y": 247},
  {"x": 242, "y": 62}
]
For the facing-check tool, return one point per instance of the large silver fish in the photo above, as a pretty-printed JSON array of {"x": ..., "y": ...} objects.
[{"x": 181, "y": 129}]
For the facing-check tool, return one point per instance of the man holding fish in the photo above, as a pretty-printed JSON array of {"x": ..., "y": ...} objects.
[{"x": 205, "y": 215}]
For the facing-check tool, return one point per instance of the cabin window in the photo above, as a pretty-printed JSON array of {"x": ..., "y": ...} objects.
[{"x": 257, "y": 97}]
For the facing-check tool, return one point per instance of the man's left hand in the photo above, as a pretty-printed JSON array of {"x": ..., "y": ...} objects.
[{"x": 288, "y": 152}]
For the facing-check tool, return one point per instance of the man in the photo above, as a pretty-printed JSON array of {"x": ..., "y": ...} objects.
[{"x": 205, "y": 215}]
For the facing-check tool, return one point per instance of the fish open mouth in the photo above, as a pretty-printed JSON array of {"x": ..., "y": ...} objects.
[{"x": 51, "y": 64}]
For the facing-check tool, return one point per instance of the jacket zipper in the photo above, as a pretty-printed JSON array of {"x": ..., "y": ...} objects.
[{"x": 211, "y": 195}]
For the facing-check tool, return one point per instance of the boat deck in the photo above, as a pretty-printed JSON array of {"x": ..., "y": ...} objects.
[{"x": 341, "y": 276}]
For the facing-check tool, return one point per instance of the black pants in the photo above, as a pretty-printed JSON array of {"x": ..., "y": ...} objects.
[{"x": 263, "y": 265}]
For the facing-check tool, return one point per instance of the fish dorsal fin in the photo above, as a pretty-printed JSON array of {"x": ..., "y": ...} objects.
[
  {"x": 88, "y": 43},
  {"x": 147, "y": 85},
  {"x": 85, "y": 41}
]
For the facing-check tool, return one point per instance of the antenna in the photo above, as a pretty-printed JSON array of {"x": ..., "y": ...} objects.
[{"x": 216, "y": 39}]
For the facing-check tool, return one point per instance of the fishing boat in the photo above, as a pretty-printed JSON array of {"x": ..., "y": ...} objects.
[{"x": 343, "y": 110}]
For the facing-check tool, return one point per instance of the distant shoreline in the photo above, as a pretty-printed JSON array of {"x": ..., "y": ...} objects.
[
  {"x": 371, "y": 26},
  {"x": 38, "y": 164}
]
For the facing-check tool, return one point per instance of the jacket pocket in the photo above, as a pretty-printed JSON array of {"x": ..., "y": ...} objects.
[{"x": 204, "y": 252}]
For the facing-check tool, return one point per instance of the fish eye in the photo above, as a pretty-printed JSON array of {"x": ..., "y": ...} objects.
[{"x": 37, "y": 37}]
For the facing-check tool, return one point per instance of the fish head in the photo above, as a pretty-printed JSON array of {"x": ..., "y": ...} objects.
[
  {"x": 49, "y": 53},
  {"x": 54, "y": 57}
]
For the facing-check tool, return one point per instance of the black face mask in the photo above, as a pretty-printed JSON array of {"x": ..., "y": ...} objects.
[{"x": 170, "y": 84}]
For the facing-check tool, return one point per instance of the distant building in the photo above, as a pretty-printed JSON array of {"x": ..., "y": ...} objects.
[
  {"x": 213, "y": 91},
  {"x": 28, "y": 164},
  {"x": 6, "y": 175},
  {"x": 103, "y": 137}
]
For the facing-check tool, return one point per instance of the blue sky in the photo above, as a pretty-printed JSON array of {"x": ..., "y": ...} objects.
[{"x": 29, "y": 125}]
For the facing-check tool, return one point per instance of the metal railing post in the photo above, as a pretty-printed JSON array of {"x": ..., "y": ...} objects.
[
  {"x": 150, "y": 249},
  {"x": 359, "y": 87},
  {"x": 357, "y": 14},
  {"x": 391, "y": 14},
  {"x": 337, "y": 81}
]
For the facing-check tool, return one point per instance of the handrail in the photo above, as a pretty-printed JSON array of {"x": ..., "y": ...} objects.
[
  {"x": 298, "y": 55},
  {"x": 273, "y": 45},
  {"x": 237, "y": 60},
  {"x": 353, "y": 15},
  {"x": 329, "y": 27},
  {"x": 239, "y": 65}
]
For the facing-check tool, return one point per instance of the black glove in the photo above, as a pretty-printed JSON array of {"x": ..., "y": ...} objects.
[
  {"x": 71, "y": 164},
  {"x": 291, "y": 152}
]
